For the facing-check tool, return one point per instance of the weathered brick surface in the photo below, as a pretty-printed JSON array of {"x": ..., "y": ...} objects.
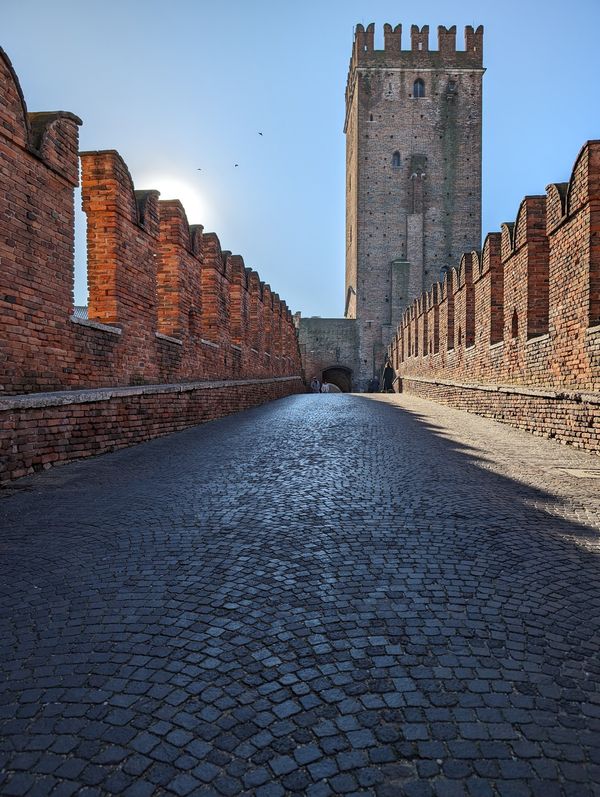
[
  {"x": 413, "y": 173},
  {"x": 533, "y": 320},
  {"x": 166, "y": 303},
  {"x": 40, "y": 430},
  {"x": 149, "y": 272},
  {"x": 38, "y": 172},
  {"x": 568, "y": 417}
]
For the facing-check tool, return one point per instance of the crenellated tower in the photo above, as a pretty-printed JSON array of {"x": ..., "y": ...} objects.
[{"x": 413, "y": 173}]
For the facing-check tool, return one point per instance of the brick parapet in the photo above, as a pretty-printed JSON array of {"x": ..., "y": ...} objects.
[
  {"x": 166, "y": 303},
  {"x": 535, "y": 291},
  {"x": 570, "y": 417},
  {"x": 40, "y": 430}
]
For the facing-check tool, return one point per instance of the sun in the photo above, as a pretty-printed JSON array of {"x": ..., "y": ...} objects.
[{"x": 172, "y": 187}]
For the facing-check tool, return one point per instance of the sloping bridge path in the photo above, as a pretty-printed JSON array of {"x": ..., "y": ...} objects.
[{"x": 326, "y": 595}]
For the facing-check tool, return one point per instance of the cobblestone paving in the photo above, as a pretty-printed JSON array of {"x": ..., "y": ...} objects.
[{"x": 326, "y": 595}]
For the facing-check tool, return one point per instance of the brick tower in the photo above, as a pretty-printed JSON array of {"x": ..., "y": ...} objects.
[{"x": 413, "y": 174}]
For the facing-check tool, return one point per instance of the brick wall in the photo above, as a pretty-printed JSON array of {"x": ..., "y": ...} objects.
[
  {"x": 44, "y": 429},
  {"x": 166, "y": 303},
  {"x": 329, "y": 343},
  {"x": 518, "y": 324}
]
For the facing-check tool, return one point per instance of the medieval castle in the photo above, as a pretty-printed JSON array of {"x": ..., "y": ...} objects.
[
  {"x": 413, "y": 190},
  {"x": 510, "y": 330},
  {"x": 180, "y": 331}
]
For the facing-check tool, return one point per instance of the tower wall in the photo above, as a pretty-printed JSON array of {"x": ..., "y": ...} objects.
[{"x": 413, "y": 173}]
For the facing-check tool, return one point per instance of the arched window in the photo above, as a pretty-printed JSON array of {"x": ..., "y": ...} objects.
[
  {"x": 418, "y": 88},
  {"x": 396, "y": 160},
  {"x": 514, "y": 327}
]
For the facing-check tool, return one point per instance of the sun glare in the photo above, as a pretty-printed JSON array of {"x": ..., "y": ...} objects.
[{"x": 191, "y": 198}]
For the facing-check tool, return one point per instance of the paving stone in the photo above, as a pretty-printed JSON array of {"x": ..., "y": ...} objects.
[
  {"x": 139, "y": 789},
  {"x": 281, "y": 765},
  {"x": 19, "y": 784},
  {"x": 307, "y": 754},
  {"x": 325, "y": 768},
  {"x": 256, "y": 777},
  {"x": 206, "y": 772},
  {"x": 415, "y": 613},
  {"x": 227, "y": 785},
  {"x": 296, "y": 781},
  {"x": 344, "y": 783},
  {"x": 183, "y": 784},
  {"x": 270, "y": 790}
]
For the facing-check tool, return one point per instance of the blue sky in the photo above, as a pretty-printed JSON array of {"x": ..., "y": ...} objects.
[{"x": 189, "y": 84}]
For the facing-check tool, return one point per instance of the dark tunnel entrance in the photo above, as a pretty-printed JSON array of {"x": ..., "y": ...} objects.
[{"x": 340, "y": 376}]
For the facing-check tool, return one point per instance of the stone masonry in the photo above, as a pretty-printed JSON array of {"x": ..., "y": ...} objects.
[
  {"x": 326, "y": 595},
  {"x": 413, "y": 186}
]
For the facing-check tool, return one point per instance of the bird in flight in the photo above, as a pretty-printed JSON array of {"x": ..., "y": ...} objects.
[
  {"x": 198, "y": 170},
  {"x": 260, "y": 134},
  {"x": 236, "y": 164}
]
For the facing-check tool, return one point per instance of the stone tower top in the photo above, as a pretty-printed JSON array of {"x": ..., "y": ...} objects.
[
  {"x": 419, "y": 56},
  {"x": 365, "y": 52}
]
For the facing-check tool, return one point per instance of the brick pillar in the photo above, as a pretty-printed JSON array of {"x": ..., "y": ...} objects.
[
  {"x": 215, "y": 291},
  {"x": 38, "y": 172},
  {"x": 175, "y": 262},
  {"x": 267, "y": 300},
  {"x": 256, "y": 322},
  {"x": 123, "y": 256}
]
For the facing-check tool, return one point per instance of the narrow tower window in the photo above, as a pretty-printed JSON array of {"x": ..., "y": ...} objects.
[
  {"x": 396, "y": 160},
  {"x": 418, "y": 88}
]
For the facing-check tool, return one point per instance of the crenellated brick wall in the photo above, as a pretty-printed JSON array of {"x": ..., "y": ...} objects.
[
  {"x": 167, "y": 305},
  {"x": 514, "y": 331}
]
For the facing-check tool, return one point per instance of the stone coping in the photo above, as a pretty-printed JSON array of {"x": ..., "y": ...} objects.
[
  {"x": 519, "y": 390},
  {"x": 168, "y": 338},
  {"x": 87, "y": 395},
  {"x": 86, "y": 322}
]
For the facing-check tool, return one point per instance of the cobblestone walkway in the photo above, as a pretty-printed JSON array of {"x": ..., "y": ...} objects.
[{"x": 326, "y": 595}]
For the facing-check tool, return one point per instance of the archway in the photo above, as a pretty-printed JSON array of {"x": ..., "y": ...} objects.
[{"x": 338, "y": 375}]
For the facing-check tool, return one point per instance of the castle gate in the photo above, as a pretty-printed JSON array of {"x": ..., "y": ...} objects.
[{"x": 339, "y": 375}]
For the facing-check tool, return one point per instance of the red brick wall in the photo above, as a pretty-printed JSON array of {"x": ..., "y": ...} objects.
[
  {"x": 166, "y": 305},
  {"x": 567, "y": 417},
  {"x": 524, "y": 313},
  {"x": 175, "y": 306},
  {"x": 38, "y": 172},
  {"x": 41, "y": 430}
]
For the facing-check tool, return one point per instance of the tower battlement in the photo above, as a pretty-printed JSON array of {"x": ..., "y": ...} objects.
[
  {"x": 418, "y": 54},
  {"x": 364, "y": 42}
]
